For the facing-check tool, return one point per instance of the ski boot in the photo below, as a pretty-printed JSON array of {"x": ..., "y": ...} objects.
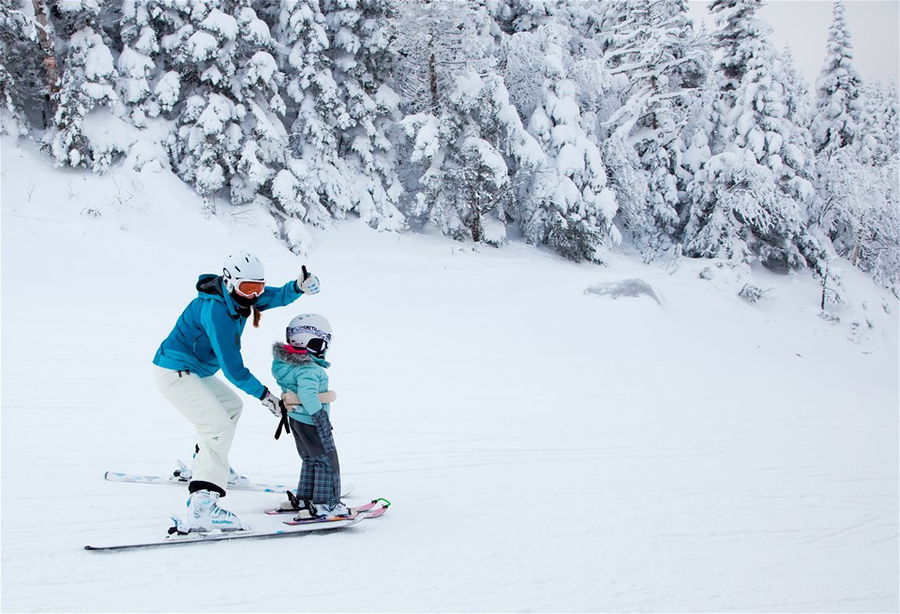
[
  {"x": 323, "y": 511},
  {"x": 204, "y": 515}
]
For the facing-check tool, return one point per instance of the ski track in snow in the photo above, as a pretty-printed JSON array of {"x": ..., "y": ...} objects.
[{"x": 544, "y": 450}]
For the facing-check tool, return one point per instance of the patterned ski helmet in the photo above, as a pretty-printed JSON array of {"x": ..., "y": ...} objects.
[{"x": 310, "y": 332}]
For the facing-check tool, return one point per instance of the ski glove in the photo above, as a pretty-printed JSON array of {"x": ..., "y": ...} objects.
[
  {"x": 271, "y": 402},
  {"x": 307, "y": 282}
]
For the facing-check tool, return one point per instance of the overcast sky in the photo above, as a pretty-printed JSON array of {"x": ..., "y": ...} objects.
[{"x": 803, "y": 26}]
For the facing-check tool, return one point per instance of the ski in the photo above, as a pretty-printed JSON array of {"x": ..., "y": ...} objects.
[
  {"x": 373, "y": 509},
  {"x": 119, "y": 476},
  {"x": 200, "y": 538}
]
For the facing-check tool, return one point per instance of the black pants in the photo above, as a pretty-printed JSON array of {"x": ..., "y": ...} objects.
[{"x": 320, "y": 472}]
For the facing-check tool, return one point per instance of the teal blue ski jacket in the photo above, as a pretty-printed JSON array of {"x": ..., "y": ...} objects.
[
  {"x": 207, "y": 335},
  {"x": 304, "y": 375}
]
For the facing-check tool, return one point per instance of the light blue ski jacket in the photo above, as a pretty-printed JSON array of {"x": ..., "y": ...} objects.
[
  {"x": 305, "y": 376},
  {"x": 207, "y": 336}
]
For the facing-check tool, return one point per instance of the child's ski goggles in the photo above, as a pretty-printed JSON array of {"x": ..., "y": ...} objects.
[{"x": 317, "y": 346}]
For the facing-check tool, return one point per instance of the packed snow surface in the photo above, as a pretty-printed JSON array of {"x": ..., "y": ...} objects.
[{"x": 545, "y": 449}]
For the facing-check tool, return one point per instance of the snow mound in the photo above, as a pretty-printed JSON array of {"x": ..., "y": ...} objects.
[{"x": 633, "y": 288}]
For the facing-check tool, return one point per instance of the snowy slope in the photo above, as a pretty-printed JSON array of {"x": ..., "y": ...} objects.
[{"x": 545, "y": 449}]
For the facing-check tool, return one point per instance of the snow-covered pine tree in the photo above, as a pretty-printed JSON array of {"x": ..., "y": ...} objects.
[
  {"x": 858, "y": 209},
  {"x": 436, "y": 42},
  {"x": 890, "y": 119},
  {"x": 699, "y": 127},
  {"x": 695, "y": 153},
  {"x": 167, "y": 23},
  {"x": 602, "y": 82},
  {"x": 615, "y": 34},
  {"x": 136, "y": 64},
  {"x": 799, "y": 172},
  {"x": 472, "y": 150},
  {"x": 591, "y": 27},
  {"x": 228, "y": 134},
  {"x": 313, "y": 187},
  {"x": 626, "y": 26},
  {"x": 18, "y": 67},
  {"x": 569, "y": 206},
  {"x": 653, "y": 48},
  {"x": 736, "y": 28},
  {"x": 859, "y": 213},
  {"x": 785, "y": 114},
  {"x": 878, "y": 125},
  {"x": 878, "y": 248},
  {"x": 695, "y": 143},
  {"x": 799, "y": 106},
  {"x": 87, "y": 83},
  {"x": 751, "y": 199},
  {"x": 361, "y": 58},
  {"x": 466, "y": 147},
  {"x": 208, "y": 140},
  {"x": 731, "y": 196},
  {"x": 524, "y": 15},
  {"x": 836, "y": 123},
  {"x": 868, "y": 143},
  {"x": 270, "y": 12},
  {"x": 257, "y": 87},
  {"x": 518, "y": 54}
]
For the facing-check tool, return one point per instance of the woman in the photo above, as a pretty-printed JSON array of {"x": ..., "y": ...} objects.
[{"x": 206, "y": 338}]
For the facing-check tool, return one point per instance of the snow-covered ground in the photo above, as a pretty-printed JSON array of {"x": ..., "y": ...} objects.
[{"x": 545, "y": 449}]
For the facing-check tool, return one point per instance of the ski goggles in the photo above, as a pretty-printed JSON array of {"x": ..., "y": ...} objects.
[
  {"x": 316, "y": 346},
  {"x": 249, "y": 288},
  {"x": 312, "y": 331}
]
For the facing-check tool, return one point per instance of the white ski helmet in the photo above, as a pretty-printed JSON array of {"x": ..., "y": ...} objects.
[
  {"x": 244, "y": 266},
  {"x": 310, "y": 332}
]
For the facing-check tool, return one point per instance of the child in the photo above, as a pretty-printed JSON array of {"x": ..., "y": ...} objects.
[{"x": 299, "y": 368}]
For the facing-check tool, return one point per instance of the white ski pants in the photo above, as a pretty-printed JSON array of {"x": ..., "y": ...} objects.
[{"x": 214, "y": 409}]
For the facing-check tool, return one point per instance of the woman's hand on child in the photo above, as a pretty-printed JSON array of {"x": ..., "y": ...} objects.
[
  {"x": 271, "y": 402},
  {"x": 307, "y": 282}
]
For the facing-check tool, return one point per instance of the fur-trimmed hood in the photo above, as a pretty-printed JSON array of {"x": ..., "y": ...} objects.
[{"x": 281, "y": 352}]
